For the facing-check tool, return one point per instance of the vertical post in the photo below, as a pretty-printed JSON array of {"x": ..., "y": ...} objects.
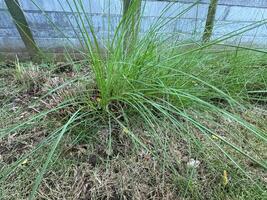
[
  {"x": 22, "y": 26},
  {"x": 126, "y": 5},
  {"x": 131, "y": 17},
  {"x": 210, "y": 20}
]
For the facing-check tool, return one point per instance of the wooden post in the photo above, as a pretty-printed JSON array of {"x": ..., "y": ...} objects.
[
  {"x": 210, "y": 21},
  {"x": 22, "y": 26}
]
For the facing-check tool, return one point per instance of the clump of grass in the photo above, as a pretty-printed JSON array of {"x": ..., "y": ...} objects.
[
  {"x": 173, "y": 104},
  {"x": 28, "y": 76}
]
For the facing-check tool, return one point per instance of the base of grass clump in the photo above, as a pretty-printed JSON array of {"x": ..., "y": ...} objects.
[{"x": 191, "y": 130}]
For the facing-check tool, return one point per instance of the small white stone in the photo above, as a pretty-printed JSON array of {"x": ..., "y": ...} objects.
[{"x": 193, "y": 163}]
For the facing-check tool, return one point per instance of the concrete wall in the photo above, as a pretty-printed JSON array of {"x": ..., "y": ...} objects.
[{"x": 231, "y": 15}]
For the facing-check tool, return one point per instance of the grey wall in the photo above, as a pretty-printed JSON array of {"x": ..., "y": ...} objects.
[{"x": 231, "y": 15}]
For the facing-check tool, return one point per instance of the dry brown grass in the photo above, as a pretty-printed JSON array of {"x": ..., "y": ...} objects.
[{"x": 91, "y": 170}]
